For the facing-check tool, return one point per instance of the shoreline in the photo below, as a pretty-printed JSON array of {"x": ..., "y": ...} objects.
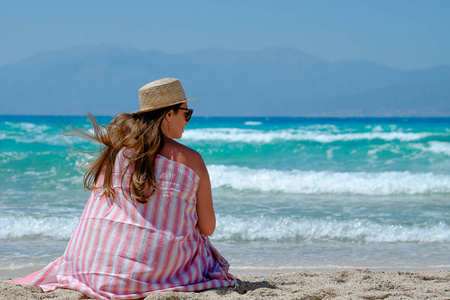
[
  {"x": 343, "y": 283},
  {"x": 20, "y": 272}
]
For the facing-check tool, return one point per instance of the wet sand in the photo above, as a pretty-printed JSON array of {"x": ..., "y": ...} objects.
[{"x": 331, "y": 284}]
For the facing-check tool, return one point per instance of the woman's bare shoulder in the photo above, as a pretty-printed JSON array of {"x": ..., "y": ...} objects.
[{"x": 184, "y": 155}]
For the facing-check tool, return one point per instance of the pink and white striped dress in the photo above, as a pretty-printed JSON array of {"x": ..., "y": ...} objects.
[{"x": 122, "y": 249}]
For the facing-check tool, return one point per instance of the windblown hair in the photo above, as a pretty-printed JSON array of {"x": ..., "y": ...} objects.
[{"x": 142, "y": 135}]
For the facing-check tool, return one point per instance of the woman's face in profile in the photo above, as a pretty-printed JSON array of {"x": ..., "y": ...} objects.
[{"x": 177, "y": 122}]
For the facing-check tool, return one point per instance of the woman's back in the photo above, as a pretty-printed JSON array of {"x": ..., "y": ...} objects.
[{"x": 123, "y": 247}]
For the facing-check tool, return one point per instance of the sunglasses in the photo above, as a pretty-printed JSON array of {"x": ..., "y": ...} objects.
[{"x": 188, "y": 113}]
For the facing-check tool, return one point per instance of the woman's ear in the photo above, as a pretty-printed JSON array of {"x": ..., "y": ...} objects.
[{"x": 168, "y": 116}]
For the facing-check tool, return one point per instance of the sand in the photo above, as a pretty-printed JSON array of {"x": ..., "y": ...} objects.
[{"x": 334, "y": 284}]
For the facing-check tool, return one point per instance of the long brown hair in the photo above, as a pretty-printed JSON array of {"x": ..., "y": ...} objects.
[{"x": 140, "y": 133}]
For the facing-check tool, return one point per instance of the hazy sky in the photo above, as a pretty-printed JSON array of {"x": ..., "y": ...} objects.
[{"x": 406, "y": 34}]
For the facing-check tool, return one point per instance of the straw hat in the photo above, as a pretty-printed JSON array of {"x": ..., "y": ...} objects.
[{"x": 161, "y": 93}]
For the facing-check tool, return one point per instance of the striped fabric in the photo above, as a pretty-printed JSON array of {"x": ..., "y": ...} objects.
[{"x": 122, "y": 249}]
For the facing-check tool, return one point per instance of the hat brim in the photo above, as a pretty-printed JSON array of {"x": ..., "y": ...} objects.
[{"x": 162, "y": 106}]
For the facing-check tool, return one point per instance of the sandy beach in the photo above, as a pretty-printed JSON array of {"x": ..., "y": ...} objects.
[{"x": 333, "y": 284}]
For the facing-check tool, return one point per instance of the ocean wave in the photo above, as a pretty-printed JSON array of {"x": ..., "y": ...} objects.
[
  {"x": 260, "y": 136},
  {"x": 435, "y": 147},
  {"x": 27, "y": 127},
  {"x": 6, "y": 157},
  {"x": 54, "y": 139},
  {"x": 279, "y": 229},
  {"x": 294, "y": 229},
  {"x": 14, "y": 226},
  {"x": 32, "y": 133},
  {"x": 253, "y": 123},
  {"x": 327, "y": 182}
]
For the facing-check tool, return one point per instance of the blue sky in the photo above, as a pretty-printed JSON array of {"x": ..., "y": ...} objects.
[{"x": 406, "y": 34}]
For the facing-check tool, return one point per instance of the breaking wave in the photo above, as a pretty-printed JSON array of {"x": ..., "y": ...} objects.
[{"x": 327, "y": 182}]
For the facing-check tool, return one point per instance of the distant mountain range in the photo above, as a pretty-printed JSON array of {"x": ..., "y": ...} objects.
[{"x": 105, "y": 80}]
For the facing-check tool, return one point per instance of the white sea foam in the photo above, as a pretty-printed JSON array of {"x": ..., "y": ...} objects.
[
  {"x": 327, "y": 182},
  {"x": 12, "y": 156},
  {"x": 28, "y": 127},
  {"x": 31, "y": 133},
  {"x": 252, "y": 123},
  {"x": 253, "y": 228},
  {"x": 290, "y": 228},
  {"x": 14, "y": 226},
  {"x": 43, "y": 138},
  {"x": 259, "y": 136},
  {"x": 435, "y": 147},
  {"x": 325, "y": 127},
  {"x": 35, "y": 175}
]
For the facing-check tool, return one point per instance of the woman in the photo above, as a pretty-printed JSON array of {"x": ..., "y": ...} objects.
[{"x": 145, "y": 226}]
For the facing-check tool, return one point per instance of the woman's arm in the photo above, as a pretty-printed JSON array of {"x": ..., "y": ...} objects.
[
  {"x": 205, "y": 208},
  {"x": 191, "y": 158}
]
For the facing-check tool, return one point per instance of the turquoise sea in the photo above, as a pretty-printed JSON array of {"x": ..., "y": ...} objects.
[{"x": 288, "y": 192}]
